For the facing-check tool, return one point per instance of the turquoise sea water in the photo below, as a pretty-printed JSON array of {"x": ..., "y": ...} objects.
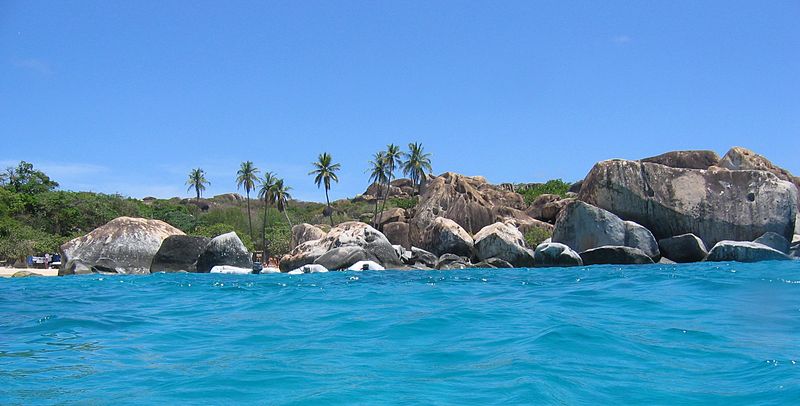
[{"x": 698, "y": 334}]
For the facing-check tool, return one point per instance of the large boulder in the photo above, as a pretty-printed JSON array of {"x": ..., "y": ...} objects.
[
  {"x": 125, "y": 245},
  {"x": 421, "y": 257},
  {"x": 713, "y": 204},
  {"x": 452, "y": 261},
  {"x": 503, "y": 241},
  {"x": 683, "y": 248},
  {"x": 342, "y": 257},
  {"x": 348, "y": 234},
  {"x": 466, "y": 200},
  {"x": 744, "y": 251},
  {"x": 582, "y": 226},
  {"x": 392, "y": 215},
  {"x": 305, "y": 232},
  {"x": 617, "y": 255},
  {"x": 774, "y": 241},
  {"x": 225, "y": 249},
  {"x": 553, "y": 254},
  {"x": 639, "y": 237},
  {"x": 303, "y": 254},
  {"x": 179, "y": 253},
  {"x": 397, "y": 234},
  {"x": 738, "y": 158},
  {"x": 445, "y": 236},
  {"x": 686, "y": 159},
  {"x": 542, "y": 207}
]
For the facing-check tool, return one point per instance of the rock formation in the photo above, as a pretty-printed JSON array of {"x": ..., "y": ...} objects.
[
  {"x": 683, "y": 248},
  {"x": 503, "y": 241},
  {"x": 179, "y": 253},
  {"x": 713, "y": 204},
  {"x": 350, "y": 234},
  {"x": 225, "y": 249},
  {"x": 686, "y": 159},
  {"x": 305, "y": 232},
  {"x": 553, "y": 254},
  {"x": 616, "y": 255},
  {"x": 124, "y": 245},
  {"x": 744, "y": 251}
]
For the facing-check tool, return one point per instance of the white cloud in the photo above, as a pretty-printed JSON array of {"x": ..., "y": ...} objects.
[
  {"x": 622, "y": 39},
  {"x": 34, "y": 65}
]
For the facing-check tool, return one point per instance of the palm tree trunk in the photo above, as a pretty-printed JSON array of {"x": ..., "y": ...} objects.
[
  {"x": 328, "y": 201},
  {"x": 375, "y": 216},
  {"x": 385, "y": 197},
  {"x": 264, "y": 233},
  {"x": 286, "y": 213},
  {"x": 249, "y": 217},
  {"x": 197, "y": 189}
]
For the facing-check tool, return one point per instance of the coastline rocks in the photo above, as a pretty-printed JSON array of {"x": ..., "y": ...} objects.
[
  {"x": 503, "y": 241},
  {"x": 303, "y": 254},
  {"x": 774, "y": 241},
  {"x": 683, "y": 248},
  {"x": 349, "y": 234},
  {"x": 225, "y": 249},
  {"x": 492, "y": 263},
  {"x": 366, "y": 266},
  {"x": 342, "y": 257},
  {"x": 445, "y": 236},
  {"x": 553, "y": 254},
  {"x": 714, "y": 204},
  {"x": 24, "y": 274},
  {"x": 179, "y": 253},
  {"x": 305, "y": 232},
  {"x": 639, "y": 237},
  {"x": 744, "y": 251},
  {"x": 582, "y": 226},
  {"x": 397, "y": 234},
  {"x": 615, "y": 255},
  {"x": 310, "y": 268},
  {"x": 125, "y": 245},
  {"x": 420, "y": 256},
  {"x": 686, "y": 159},
  {"x": 235, "y": 270},
  {"x": 452, "y": 261}
]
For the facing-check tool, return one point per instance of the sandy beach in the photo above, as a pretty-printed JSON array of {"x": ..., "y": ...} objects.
[{"x": 8, "y": 272}]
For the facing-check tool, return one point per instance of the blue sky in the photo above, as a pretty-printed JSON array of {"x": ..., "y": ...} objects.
[{"x": 127, "y": 97}]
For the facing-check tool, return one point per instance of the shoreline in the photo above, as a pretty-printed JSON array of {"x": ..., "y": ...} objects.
[{"x": 9, "y": 272}]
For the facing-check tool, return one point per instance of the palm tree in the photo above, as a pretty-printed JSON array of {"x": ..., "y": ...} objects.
[
  {"x": 281, "y": 197},
  {"x": 325, "y": 173},
  {"x": 197, "y": 180},
  {"x": 417, "y": 164},
  {"x": 392, "y": 158},
  {"x": 265, "y": 192},
  {"x": 247, "y": 176},
  {"x": 377, "y": 176}
]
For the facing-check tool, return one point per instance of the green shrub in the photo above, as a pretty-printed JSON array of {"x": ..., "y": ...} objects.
[
  {"x": 553, "y": 187},
  {"x": 536, "y": 236}
]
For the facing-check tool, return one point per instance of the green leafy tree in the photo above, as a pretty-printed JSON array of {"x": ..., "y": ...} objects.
[
  {"x": 377, "y": 176},
  {"x": 325, "y": 172},
  {"x": 392, "y": 158},
  {"x": 198, "y": 181},
  {"x": 417, "y": 164},
  {"x": 27, "y": 180},
  {"x": 246, "y": 177}
]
